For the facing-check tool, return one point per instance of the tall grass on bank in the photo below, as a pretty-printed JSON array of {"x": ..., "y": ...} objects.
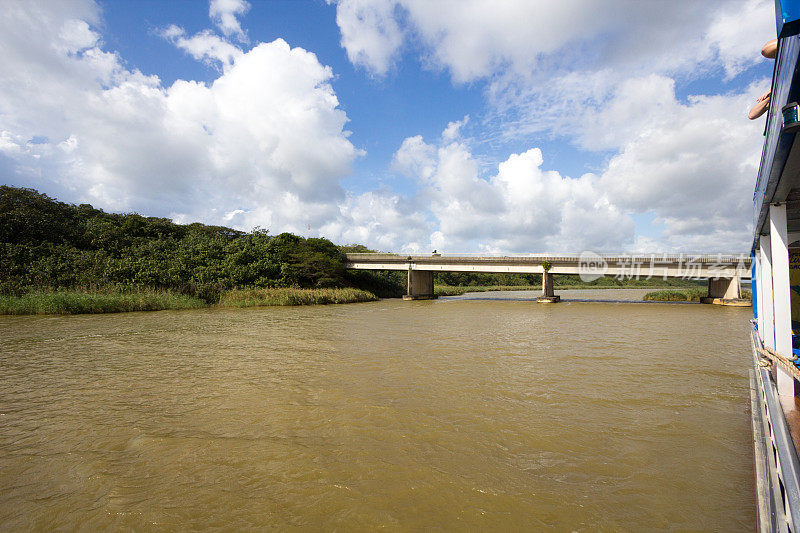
[
  {"x": 72, "y": 302},
  {"x": 289, "y": 296},
  {"x": 685, "y": 295},
  {"x": 452, "y": 290}
]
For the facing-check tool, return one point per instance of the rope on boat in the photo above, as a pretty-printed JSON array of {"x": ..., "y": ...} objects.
[
  {"x": 772, "y": 354},
  {"x": 785, "y": 362}
]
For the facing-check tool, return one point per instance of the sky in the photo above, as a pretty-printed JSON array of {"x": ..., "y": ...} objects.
[{"x": 494, "y": 126}]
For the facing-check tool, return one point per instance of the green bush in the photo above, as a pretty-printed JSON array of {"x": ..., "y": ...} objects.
[
  {"x": 446, "y": 290},
  {"x": 666, "y": 296},
  {"x": 694, "y": 294}
]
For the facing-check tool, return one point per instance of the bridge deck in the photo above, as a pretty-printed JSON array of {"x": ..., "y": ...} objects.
[{"x": 652, "y": 265}]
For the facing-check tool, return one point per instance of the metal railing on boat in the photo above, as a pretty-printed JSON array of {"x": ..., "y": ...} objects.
[{"x": 776, "y": 463}]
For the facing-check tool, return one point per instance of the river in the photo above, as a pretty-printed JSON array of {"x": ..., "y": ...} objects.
[{"x": 479, "y": 412}]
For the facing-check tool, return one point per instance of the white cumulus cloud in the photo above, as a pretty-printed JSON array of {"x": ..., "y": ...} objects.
[
  {"x": 475, "y": 39},
  {"x": 263, "y": 144},
  {"x": 225, "y": 13},
  {"x": 205, "y": 45},
  {"x": 371, "y": 34},
  {"x": 520, "y": 207}
]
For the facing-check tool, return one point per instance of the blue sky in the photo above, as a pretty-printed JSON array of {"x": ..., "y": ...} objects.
[
  {"x": 401, "y": 124},
  {"x": 383, "y": 111}
]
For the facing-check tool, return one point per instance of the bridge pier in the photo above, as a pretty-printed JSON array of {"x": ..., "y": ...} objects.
[
  {"x": 725, "y": 291},
  {"x": 420, "y": 285},
  {"x": 548, "y": 294}
]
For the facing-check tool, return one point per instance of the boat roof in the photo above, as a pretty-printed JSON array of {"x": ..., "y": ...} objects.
[{"x": 778, "y": 178}]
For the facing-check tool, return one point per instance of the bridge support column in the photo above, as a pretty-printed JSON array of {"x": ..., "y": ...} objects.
[
  {"x": 548, "y": 294},
  {"x": 725, "y": 291},
  {"x": 420, "y": 285}
]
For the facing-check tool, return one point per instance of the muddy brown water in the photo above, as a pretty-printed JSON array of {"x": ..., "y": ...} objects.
[{"x": 483, "y": 412}]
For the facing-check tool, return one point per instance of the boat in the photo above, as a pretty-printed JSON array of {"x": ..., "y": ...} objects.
[{"x": 775, "y": 263}]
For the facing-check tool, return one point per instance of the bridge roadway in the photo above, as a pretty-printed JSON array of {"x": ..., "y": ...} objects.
[{"x": 723, "y": 271}]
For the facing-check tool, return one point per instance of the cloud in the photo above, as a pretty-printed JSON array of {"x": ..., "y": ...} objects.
[
  {"x": 692, "y": 165},
  {"x": 263, "y": 144},
  {"x": 75, "y": 35},
  {"x": 453, "y": 129},
  {"x": 685, "y": 42},
  {"x": 382, "y": 219},
  {"x": 519, "y": 208},
  {"x": 473, "y": 39},
  {"x": 205, "y": 46},
  {"x": 371, "y": 35},
  {"x": 414, "y": 159},
  {"x": 735, "y": 34},
  {"x": 224, "y": 13}
]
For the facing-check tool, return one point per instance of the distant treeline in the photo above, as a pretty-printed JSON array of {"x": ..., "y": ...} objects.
[{"x": 51, "y": 245}]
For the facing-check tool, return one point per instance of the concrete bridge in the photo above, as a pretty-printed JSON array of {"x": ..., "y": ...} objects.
[{"x": 723, "y": 272}]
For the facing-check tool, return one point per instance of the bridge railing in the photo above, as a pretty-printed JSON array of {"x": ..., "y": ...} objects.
[{"x": 744, "y": 259}]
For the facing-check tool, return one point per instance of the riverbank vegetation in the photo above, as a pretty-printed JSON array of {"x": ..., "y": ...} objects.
[
  {"x": 293, "y": 296},
  {"x": 450, "y": 290},
  {"x": 74, "y": 302},
  {"x": 693, "y": 295},
  {"x": 685, "y": 295},
  {"x": 70, "y": 302}
]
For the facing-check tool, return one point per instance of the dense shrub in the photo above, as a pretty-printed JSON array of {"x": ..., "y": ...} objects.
[
  {"x": 666, "y": 296},
  {"x": 48, "y": 245}
]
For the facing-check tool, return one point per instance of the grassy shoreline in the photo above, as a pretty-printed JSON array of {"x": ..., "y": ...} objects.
[
  {"x": 74, "y": 302},
  {"x": 67, "y": 302},
  {"x": 683, "y": 295},
  {"x": 453, "y": 290},
  {"x": 286, "y": 296}
]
